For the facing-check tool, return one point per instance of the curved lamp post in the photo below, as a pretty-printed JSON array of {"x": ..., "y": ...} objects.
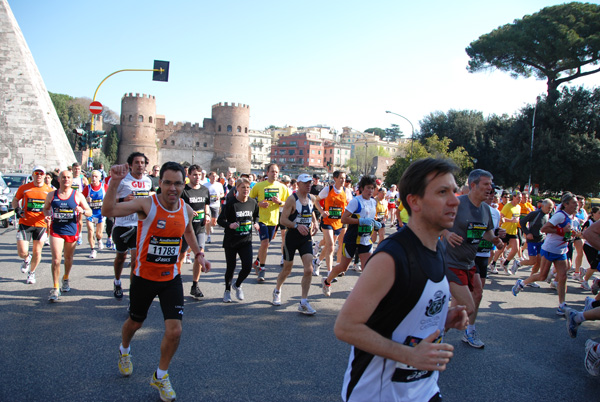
[{"x": 412, "y": 135}]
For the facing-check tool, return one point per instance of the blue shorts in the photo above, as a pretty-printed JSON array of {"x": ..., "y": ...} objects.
[
  {"x": 96, "y": 218},
  {"x": 553, "y": 256},
  {"x": 336, "y": 232},
  {"x": 534, "y": 249},
  {"x": 266, "y": 232}
]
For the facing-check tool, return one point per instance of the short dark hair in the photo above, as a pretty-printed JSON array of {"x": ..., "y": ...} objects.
[
  {"x": 75, "y": 164},
  {"x": 174, "y": 166},
  {"x": 269, "y": 166},
  {"x": 414, "y": 180},
  {"x": 134, "y": 155},
  {"x": 366, "y": 181},
  {"x": 192, "y": 168},
  {"x": 337, "y": 174}
]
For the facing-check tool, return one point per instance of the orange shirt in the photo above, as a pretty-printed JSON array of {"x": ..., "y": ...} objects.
[
  {"x": 335, "y": 205},
  {"x": 159, "y": 242},
  {"x": 500, "y": 206},
  {"x": 33, "y": 203}
]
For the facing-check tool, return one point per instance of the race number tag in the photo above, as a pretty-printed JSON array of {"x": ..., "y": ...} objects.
[
  {"x": 96, "y": 204},
  {"x": 64, "y": 215},
  {"x": 270, "y": 193},
  {"x": 163, "y": 250},
  {"x": 475, "y": 232},
  {"x": 365, "y": 230},
  {"x": 35, "y": 205},
  {"x": 141, "y": 193},
  {"x": 335, "y": 212},
  {"x": 200, "y": 216},
  {"x": 214, "y": 198},
  {"x": 244, "y": 228}
]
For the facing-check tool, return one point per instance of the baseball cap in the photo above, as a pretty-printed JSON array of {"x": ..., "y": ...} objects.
[
  {"x": 303, "y": 178},
  {"x": 378, "y": 182},
  {"x": 286, "y": 179},
  {"x": 35, "y": 169}
]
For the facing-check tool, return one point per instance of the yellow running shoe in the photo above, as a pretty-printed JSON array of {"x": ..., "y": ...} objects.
[
  {"x": 125, "y": 365},
  {"x": 165, "y": 390}
]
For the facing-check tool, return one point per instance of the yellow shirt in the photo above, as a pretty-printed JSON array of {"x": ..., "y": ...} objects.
[
  {"x": 264, "y": 191},
  {"x": 511, "y": 211}
]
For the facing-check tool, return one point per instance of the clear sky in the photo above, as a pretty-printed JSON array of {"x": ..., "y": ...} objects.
[{"x": 337, "y": 63}]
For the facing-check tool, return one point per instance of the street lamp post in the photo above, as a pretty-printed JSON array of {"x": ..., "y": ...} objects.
[
  {"x": 537, "y": 100},
  {"x": 412, "y": 135}
]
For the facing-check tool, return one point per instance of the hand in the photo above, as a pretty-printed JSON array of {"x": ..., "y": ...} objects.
[
  {"x": 275, "y": 200},
  {"x": 129, "y": 197},
  {"x": 79, "y": 210},
  {"x": 501, "y": 233},
  {"x": 263, "y": 204},
  {"x": 234, "y": 225},
  {"x": 457, "y": 318},
  {"x": 19, "y": 212},
  {"x": 303, "y": 230},
  {"x": 430, "y": 356},
  {"x": 203, "y": 263},
  {"x": 118, "y": 172},
  {"x": 529, "y": 236},
  {"x": 366, "y": 221},
  {"x": 325, "y": 213},
  {"x": 48, "y": 219},
  {"x": 256, "y": 227},
  {"x": 454, "y": 239},
  {"x": 376, "y": 225}
]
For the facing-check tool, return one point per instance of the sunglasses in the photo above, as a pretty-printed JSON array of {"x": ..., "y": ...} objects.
[{"x": 39, "y": 172}]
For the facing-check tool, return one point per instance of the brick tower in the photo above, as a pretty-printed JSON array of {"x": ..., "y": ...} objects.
[
  {"x": 231, "y": 145},
  {"x": 138, "y": 127}
]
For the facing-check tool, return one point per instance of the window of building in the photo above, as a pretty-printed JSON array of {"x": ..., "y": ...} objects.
[
  {"x": 293, "y": 143},
  {"x": 301, "y": 152},
  {"x": 299, "y": 160},
  {"x": 330, "y": 150},
  {"x": 229, "y": 128},
  {"x": 164, "y": 142},
  {"x": 292, "y": 151},
  {"x": 197, "y": 143},
  {"x": 283, "y": 143},
  {"x": 246, "y": 130},
  {"x": 172, "y": 142},
  {"x": 239, "y": 129},
  {"x": 319, "y": 152},
  {"x": 140, "y": 119},
  {"x": 219, "y": 128},
  {"x": 312, "y": 160},
  {"x": 205, "y": 145},
  {"x": 130, "y": 118},
  {"x": 304, "y": 142},
  {"x": 292, "y": 160},
  {"x": 149, "y": 119}
]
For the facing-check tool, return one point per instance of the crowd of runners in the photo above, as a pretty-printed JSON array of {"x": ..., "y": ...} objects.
[{"x": 163, "y": 217}]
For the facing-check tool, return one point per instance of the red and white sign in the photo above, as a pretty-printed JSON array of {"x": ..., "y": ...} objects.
[{"x": 96, "y": 107}]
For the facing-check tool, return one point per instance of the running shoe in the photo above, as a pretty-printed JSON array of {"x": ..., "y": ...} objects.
[
  {"x": 196, "y": 293},
  {"x": 54, "y": 294},
  {"x": 533, "y": 285},
  {"x": 79, "y": 241},
  {"x": 276, "y": 298},
  {"x": 492, "y": 268},
  {"x": 163, "y": 385},
  {"x": 125, "y": 365},
  {"x": 109, "y": 243},
  {"x": 227, "y": 296},
  {"x": 518, "y": 287},
  {"x": 357, "y": 268},
  {"x": 505, "y": 267},
  {"x": 560, "y": 311},
  {"x": 326, "y": 288},
  {"x": 585, "y": 285},
  {"x": 316, "y": 267},
  {"x": 100, "y": 245},
  {"x": 550, "y": 277},
  {"x": 588, "y": 303},
  {"x": 30, "y": 277},
  {"x": 261, "y": 275},
  {"x": 239, "y": 293},
  {"x": 571, "y": 324},
  {"x": 65, "y": 286},
  {"x": 554, "y": 285},
  {"x": 117, "y": 291},
  {"x": 208, "y": 240},
  {"x": 315, "y": 249},
  {"x": 306, "y": 309},
  {"x": 256, "y": 266},
  {"x": 26, "y": 264},
  {"x": 473, "y": 339},
  {"x": 187, "y": 259},
  {"x": 92, "y": 254},
  {"x": 592, "y": 360},
  {"x": 595, "y": 286},
  {"x": 515, "y": 267},
  {"x": 281, "y": 263}
]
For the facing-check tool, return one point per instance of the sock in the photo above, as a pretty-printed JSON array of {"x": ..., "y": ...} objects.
[
  {"x": 262, "y": 267},
  {"x": 118, "y": 282},
  {"x": 579, "y": 318},
  {"x": 303, "y": 301},
  {"x": 596, "y": 303},
  {"x": 65, "y": 277},
  {"x": 470, "y": 329},
  {"x": 562, "y": 305},
  {"x": 506, "y": 263},
  {"x": 92, "y": 248},
  {"x": 160, "y": 374},
  {"x": 194, "y": 283},
  {"x": 124, "y": 351},
  {"x": 326, "y": 283}
]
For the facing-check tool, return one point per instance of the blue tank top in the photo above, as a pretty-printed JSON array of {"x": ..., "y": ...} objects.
[
  {"x": 64, "y": 216},
  {"x": 96, "y": 197}
]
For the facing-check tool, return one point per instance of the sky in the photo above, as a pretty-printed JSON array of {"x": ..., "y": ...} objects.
[{"x": 329, "y": 62}]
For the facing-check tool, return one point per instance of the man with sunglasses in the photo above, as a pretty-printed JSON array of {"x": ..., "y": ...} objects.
[{"x": 32, "y": 224}]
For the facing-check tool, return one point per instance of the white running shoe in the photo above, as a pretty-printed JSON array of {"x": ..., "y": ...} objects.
[
  {"x": 92, "y": 254},
  {"x": 30, "y": 277},
  {"x": 592, "y": 360},
  {"x": 65, "y": 286},
  {"x": 306, "y": 309},
  {"x": 239, "y": 293},
  {"x": 26, "y": 264},
  {"x": 227, "y": 296},
  {"x": 276, "y": 298},
  {"x": 357, "y": 268},
  {"x": 100, "y": 245},
  {"x": 326, "y": 288}
]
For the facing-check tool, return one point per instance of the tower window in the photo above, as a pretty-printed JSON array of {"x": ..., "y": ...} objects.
[
  {"x": 205, "y": 145},
  {"x": 164, "y": 142},
  {"x": 130, "y": 118},
  {"x": 149, "y": 119},
  {"x": 172, "y": 142},
  {"x": 246, "y": 130},
  {"x": 229, "y": 128},
  {"x": 219, "y": 129},
  {"x": 239, "y": 129},
  {"x": 140, "y": 118},
  {"x": 197, "y": 144}
]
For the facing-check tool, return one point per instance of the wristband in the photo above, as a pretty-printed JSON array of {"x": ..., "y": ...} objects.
[
  {"x": 201, "y": 254},
  {"x": 560, "y": 231}
]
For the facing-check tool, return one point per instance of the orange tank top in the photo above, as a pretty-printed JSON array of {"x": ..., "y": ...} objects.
[
  {"x": 335, "y": 205},
  {"x": 159, "y": 242}
]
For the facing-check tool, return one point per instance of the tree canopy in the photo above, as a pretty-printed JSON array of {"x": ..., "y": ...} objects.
[{"x": 558, "y": 43}]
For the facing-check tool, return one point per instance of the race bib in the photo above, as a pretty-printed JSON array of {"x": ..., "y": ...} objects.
[
  {"x": 35, "y": 205},
  {"x": 380, "y": 215},
  {"x": 141, "y": 193},
  {"x": 335, "y": 212},
  {"x": 163, "y": 250},
  {"x": 475, "y": 232},
  {"x": 64, "y": 215},
  {"x": 270, "y": 193},
  {"x": 214, "y": 198},
  {"x": 200, "y": 216},
  {"x": 244, "y": 228},
  {"x": 485, "y": 246},
  {"x": 365, "y": 230},
  {"x": 75, "y": 186},
  {"x": 96, "y": 204}
]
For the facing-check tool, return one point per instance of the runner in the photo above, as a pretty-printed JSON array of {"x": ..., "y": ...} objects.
[
  {"x": 485, "y": 247},
  {"x": 32, "y": 224},
  {"x": 163, "y": 220},
  {"x": 531, "y": 225},
  {"x": 334, "y": 197},
  {"x": 510, "y": 222},
  {"x": 269, "y": 194},
  {"x": 79, "y": 182},
  {"x": 396, "y": 314},
  {"x": 217, "y": 192},
  {"x": 94, "y": 195},
  {"x": 238, "y": 217},
  {"x": 134, "y": 185},
  {"x": 64, "y": 206},
  {"x": 196, "y": 196},
  {"x": 298, "y": 215},
  {"x": 591, "y": 254},
  {"x": 392, "y": 196},
  {"x": 360, "y": 217},
  {"x": 381, "y": 211}
]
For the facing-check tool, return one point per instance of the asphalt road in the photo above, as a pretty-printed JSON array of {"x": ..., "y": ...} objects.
[{"x": 253, "y": 351}]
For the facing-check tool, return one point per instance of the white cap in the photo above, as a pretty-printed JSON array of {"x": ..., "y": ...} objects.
[
  {"x": 39, "y": 168},
  {"x": 304, "y": 178}
]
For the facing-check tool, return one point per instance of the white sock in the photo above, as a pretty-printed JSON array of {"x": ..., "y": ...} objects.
[
  {"x": 303, "y": 301},
  {"x": 160, "y": 374},
  {"x": 118, "y": 282},
  {"x": 579, "y": 318},
  {"x": 124, "y": 351}
]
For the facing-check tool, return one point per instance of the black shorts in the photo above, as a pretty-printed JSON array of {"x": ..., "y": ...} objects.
[
  {"x": 27, "y": 233},
  {"x": 591, "y": 254},
  {"x": 125, "y": 238},
  {"x": 143, "y": 291},
  {"x": 481, "y": 263},
  {"x": 507, "y": 238},
  {"x": 295, "y": 241},
  {"x": 351, "y": 249}
]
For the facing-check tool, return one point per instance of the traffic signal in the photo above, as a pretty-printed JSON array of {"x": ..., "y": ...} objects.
[
  {"x": 82, "y": 138},
  {"x": 163, "y": 71},
  {"x": 96, "y": 138}
]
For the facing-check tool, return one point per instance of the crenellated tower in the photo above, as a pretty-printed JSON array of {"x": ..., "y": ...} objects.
[
  {"x": 231, "y": 144},
  {"x": 138, "y": 127}
]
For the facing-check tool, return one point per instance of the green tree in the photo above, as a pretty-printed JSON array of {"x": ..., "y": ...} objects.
[
  {"x": 112, "y": 147},
  {"x": 380, "y": 132},
  {"x": 558, "y": 44},
  {"x": 431, "y": 147},
  {"x": 363, "y": 158},
  {"x": 393, "y": 132}
]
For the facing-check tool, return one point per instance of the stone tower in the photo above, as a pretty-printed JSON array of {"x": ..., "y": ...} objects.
[
  {"x": 30, "y": 131},
  {"x": 138, "y": 127},
  {"x": 231, "y": 145}
]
